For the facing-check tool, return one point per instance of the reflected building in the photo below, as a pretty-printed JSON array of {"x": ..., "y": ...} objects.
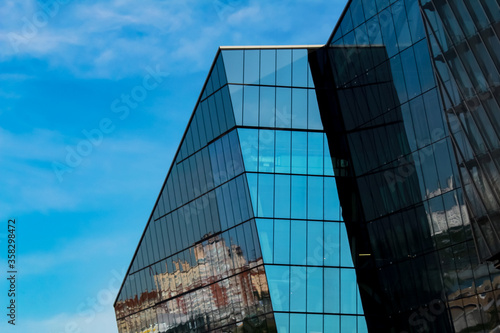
[{"x": 394, "y": 119}]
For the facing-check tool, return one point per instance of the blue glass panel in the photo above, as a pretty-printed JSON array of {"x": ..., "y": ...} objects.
[
  {"x": 266, "y": 195},
  {"x": 345, "y": 252},
  {"x": 332, "y": 204},
  {"x": 299, "y": 68},
  {"x": 233, "y": 63},
  {"x": 297, "y": 323},
  {"x": 327, "y": 160},
  {"x": 332, "y": 323},
  {"x": 283, "y": 152},
  {"x": 373, "y": 31},
  {"x": 268, "y": 67},
  {"x": 251, "y": 106},
  {"x": 411, "y": 73},
  {"x": 265, "y": 229},
  {"x": 315, "y": 243},
  {"x": 282, "y": 197},
  {"x": 281, "y": 241},
  {"x": 424, "y": 66},
  {"x": 362, "y": 328},
  {"x": 249, "y": 148},
  {"x": 348, "y": 291},
  {"x": 332, "y": 244},
  {"x": 236, "y": 93},
  {"x": 315, "y": 154},
  {"x": 299, "y": 108},
  {"x": 266, "y": 151},
  {"x": 361, "y": 35},
  {"x": 314, "y": 323},
  {"x": 370, "y": 8},
  {"x": 346, "y": 23},
  {"x": 348, "y": 323},
  {"x": 398, "y": 78},
  {"x": 282, "y": 322},
  {"x": 283, "y": 107},
  {"x": 331, "y": 290},
  {"x": 401, "y": 25},
  {"x": 414, "y": 20},
  {"x": 267, "y": 106},
  {"x": 222, "y": 208},
  {"x": 388, "y": 32},
  {"x": 299, "y": 152},
  {"x": 283, "y": 67},
  {"x": 251, "y": 74},
  {"x": 298, "y": 202},
  {"x": 298, "y": 289},
  {"x": 278, "y": 279},
  {"x": 357, "y": 12},
  {"x": 298, "y": 234},
  {"x": 313, "y": 115},
  {"x": 252, "y": 187},
  {"x": 314, "y": 289}
]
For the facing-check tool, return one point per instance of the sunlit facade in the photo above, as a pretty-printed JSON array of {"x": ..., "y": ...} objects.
[{"x": 396, "y": 120}]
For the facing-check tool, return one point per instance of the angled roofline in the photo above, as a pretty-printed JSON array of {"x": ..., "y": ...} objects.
[
  {"x": 272, "y": 47},
  {"x": 337, "y": 26},
  {"x": 168, "y": 173}
]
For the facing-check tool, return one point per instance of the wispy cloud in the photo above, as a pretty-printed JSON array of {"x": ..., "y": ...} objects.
[{"x": 85, "y": 322}]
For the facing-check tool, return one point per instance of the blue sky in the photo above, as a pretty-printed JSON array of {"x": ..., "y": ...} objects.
[{"x": 80, "y": 206}]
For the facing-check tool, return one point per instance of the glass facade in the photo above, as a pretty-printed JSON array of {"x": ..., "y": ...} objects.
[
  {"x": 247, "y": 233},
  {"x": 350, "y": 187}
]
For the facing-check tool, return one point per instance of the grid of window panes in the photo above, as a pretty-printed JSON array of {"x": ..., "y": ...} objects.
[
  {"x": 311, "y": 278},
  {"x": 199, "y": 266},
  {"x": 406, "y": 176},
  {"x": 466, "y": 53}
]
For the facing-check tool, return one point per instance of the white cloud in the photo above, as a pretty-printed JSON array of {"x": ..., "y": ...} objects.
[{"x": 30, "y": 183}]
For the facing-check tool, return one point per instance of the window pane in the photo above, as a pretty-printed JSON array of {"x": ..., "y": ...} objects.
[
  {"x": 298, "y": 235},
  {"x": 348, "y": 291},
  {"x": 298, "y": 289},
  {"x": 233, "y": 62},
  {"x": 332, "y": 290},
  {"x": 282, "y": 197},
  {"x": 315, "y": 243},
  {"x": 265, "y": 229},
  {"x": 268, "y": 67},
  {"x": 298, "y": 202},
  {"x": 266, "y": 151},
  {"x": 278, "y": 278},
  {"x": 284, "y": 68},
  {"x": 251, "y": 75},
  {"x": 283, "y": 107},
  {"x": 314, "y": 289},
  {"x": 283, "y": 151},
  {"x": 315, "y": 198},
  {"x": 299, "y": 152},
  {"x": 266, "y": 195},
  {"x": 249, "y": 148},
  {"x": 251, "y": 106},
  {"x": 297, "y": 323},
  {"x": 267, "y": 106},
  {"x": 299, "y": 68},
  {"x": 299, "y": 108},
  {"x": 281, "y": 241}
]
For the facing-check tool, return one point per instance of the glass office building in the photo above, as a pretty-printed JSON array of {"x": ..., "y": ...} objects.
[{"x": 396, "y": 120}]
